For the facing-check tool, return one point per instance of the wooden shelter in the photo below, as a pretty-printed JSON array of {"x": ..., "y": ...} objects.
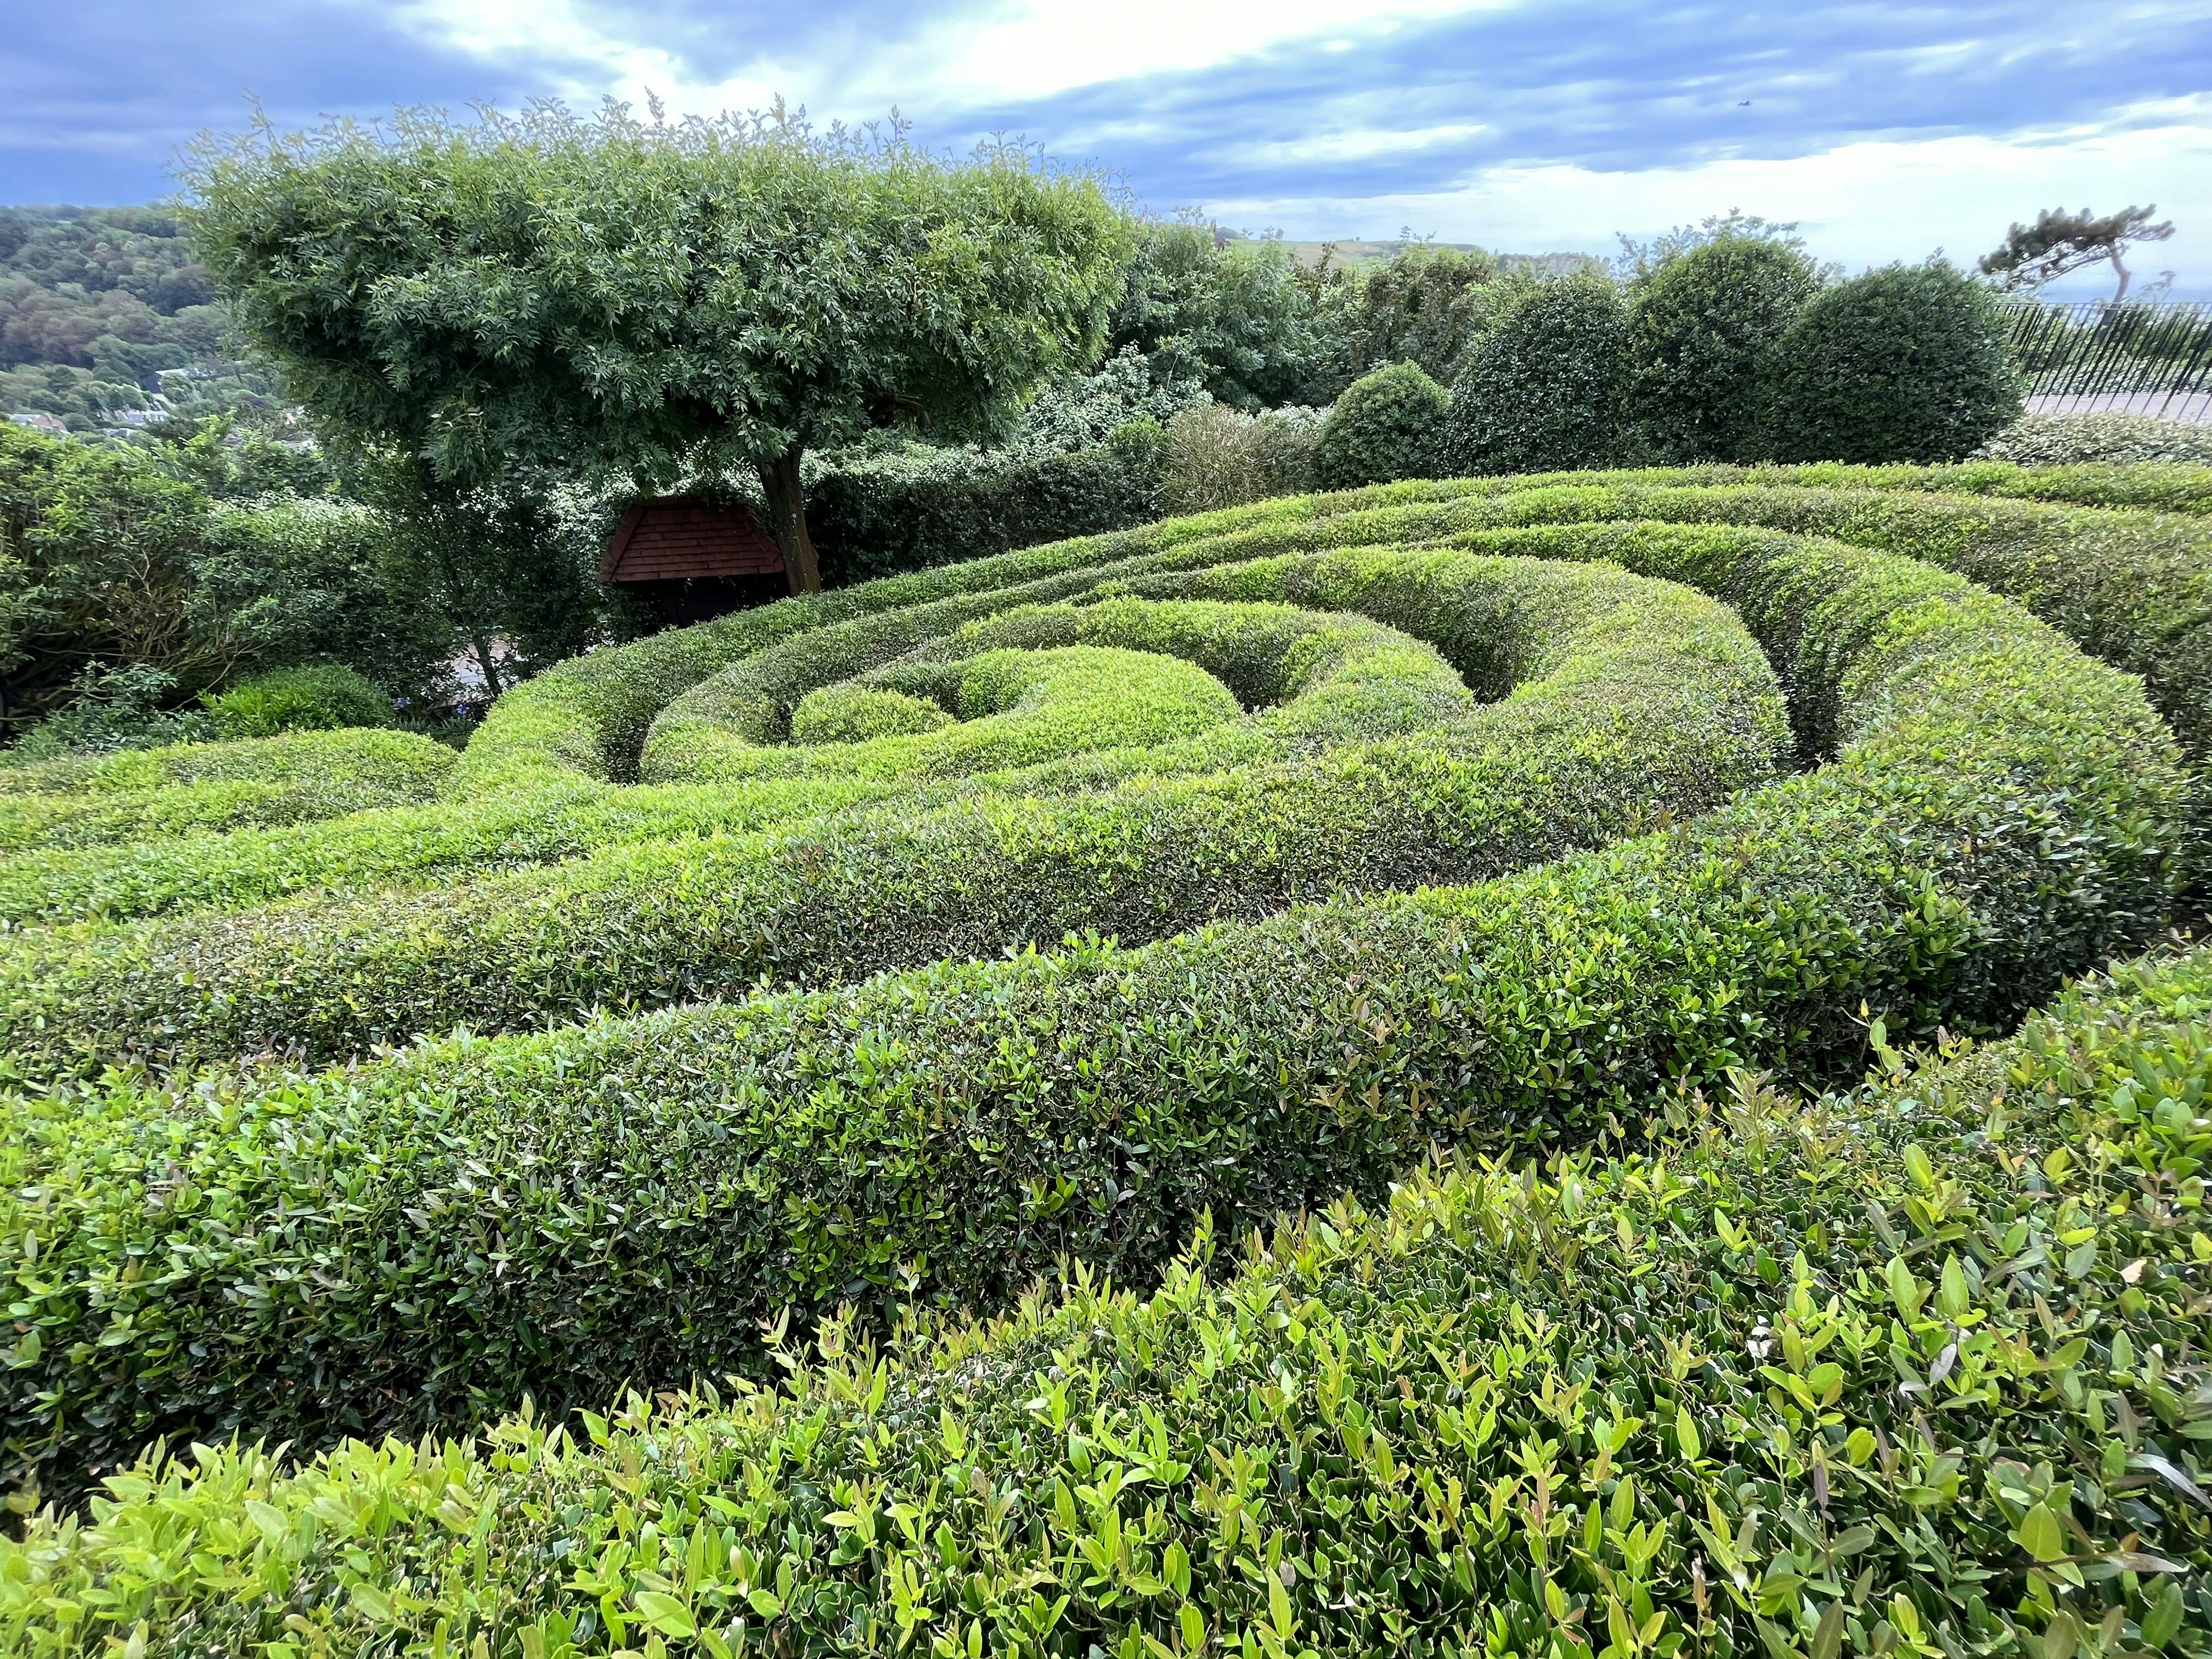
[{"x": 691, "y": 559}]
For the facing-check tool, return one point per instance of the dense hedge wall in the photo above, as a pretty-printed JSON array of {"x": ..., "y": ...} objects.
[
  {"x": 588, "y": 717},
  {"x": 1374, "y": 770},
  {"x": 909, "y": 510},
  {"x": 1914, "y": 1372},
  {"x": 419, "y": 1238}
]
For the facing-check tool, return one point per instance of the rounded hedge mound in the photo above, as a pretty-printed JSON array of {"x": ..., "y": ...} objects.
[
  {"x": 1254, "y": 857},
  {"x": 1387, "y": 425}
]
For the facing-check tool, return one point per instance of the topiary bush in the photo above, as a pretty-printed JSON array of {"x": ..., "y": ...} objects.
[
  {"x": 1388, "y": 425},
  {"x": 1547, "y": 387},
  {"x": 1905, "y": 363},
  {"x": 1702, "y": 327},
  {"x": 314, "y": 698}
]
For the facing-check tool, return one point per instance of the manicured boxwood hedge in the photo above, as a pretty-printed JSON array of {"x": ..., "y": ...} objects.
[
  {"x": 589, "y": 716},
  {"x": 418, "y": 1239},
  {"x": 1916, "y": 1373},
  {"x": 1376, "y": 771},
  {"x": 2134, "y": 590},
  {"x": 195, "y": 787}
]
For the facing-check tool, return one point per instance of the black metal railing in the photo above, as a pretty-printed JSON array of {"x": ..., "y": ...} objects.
[{"x": 2153, "y": 357}]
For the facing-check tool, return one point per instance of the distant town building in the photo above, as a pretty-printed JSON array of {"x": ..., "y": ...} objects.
[
  {"x": 39, "y": 421},
  {"x": 692, "y": 559}
]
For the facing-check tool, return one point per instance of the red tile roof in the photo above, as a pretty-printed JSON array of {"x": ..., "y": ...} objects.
[{"x": 680, "y": 536}]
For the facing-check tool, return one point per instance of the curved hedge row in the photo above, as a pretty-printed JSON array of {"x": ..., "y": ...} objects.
[
  {"x": 420, "y": 1238},
  {"x": 2130, "y": 588},
  {"x": 90, "y": 801},
  {"x": 1916, "y": 1372},
  {"x": 1375, "y": 769},
  {"x": 589, "y": 716}
]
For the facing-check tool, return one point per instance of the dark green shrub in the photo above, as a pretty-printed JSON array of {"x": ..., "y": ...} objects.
[
  {"x": 908, "y": 509},
  {"x": 1906, "y": 363},
  {"x": 317, "y": 698},
  {"x": 1799, "y": 1367},
  {"x": 1700, "y": 328},
  {"x": 1387, "y": 425},
  {"x": 112, "y": 708},
  {"x": 1547, "y": 386}
]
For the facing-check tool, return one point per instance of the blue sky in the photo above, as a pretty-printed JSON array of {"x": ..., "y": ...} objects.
[{"x": 1888, "y": 129}]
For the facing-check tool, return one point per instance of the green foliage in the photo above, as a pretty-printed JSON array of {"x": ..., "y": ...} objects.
[
  {"x": 1547, "y": 387},
  {"x": 1423, "y": 305},
  {"x": 2125, "y": 440},
  {"x": 128, "y": 559},
  {"x": 1213, "y": 456},
  {"x": 1905, "y": 1370},
  {"x": 1905, "y": 363},
  {"x": 95, "y": 304},
  {"x": 713, "y": 296},
  {"x": 1416, "y": 786},
  {"x": 1388, "y": 425},
  {"x": 128, "y": 806},
  {"x": 859, "y": 714},
  {"x": 309, "y": 699},
  {"x": 915, "y": 507},
  {"x": 112, "y": 709},
  {"x": 1233, "y": 316},
  {"x": 1702, "y": 325},
  {"x": 419, "y": 1238},
  {"x": 2059, "y": 243}
]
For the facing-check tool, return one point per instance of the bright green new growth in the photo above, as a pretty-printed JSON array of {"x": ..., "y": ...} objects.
[{"x": 1897, "y": 1368}]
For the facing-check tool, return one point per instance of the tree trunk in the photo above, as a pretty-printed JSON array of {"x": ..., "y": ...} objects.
[
  {"x": 2121, "y": 297},
  {"x": 487, "y": 662},
  {"x": 786, "y": 521}
]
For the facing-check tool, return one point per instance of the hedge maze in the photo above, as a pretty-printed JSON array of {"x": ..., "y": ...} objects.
[{"x": 1495, "y": 1005}]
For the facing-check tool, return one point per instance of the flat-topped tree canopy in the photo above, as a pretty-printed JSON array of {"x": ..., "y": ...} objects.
[{"x": 670, "y": 298}]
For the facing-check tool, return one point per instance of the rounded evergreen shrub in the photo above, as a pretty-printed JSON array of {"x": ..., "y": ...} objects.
[
  {"x": 321, "y": 698},
  {"x": 1906, "y": 363},
  {"x": 1546, "y": 388},
  {"x": 1388, "y": 425},
  {"x": 1700, "y": 328}
]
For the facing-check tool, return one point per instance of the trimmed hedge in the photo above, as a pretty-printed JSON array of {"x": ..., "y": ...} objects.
[
  {"x": 1546, "y": 386},
  {"x": 418, "y": 1239},
  {"x": 871, "y": 515},
  {"x": 587, "y": 717},
  {"x": 1388, "y": 424},
  {"x": 1373, "y": 772},
  {"x": 190, "y": 788},
  {"x": 1908, "y": 362},
  {"x": 1911, "y": 1372}
]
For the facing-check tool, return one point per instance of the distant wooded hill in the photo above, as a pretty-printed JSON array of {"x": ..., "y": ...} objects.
[{"x": 108, "y": 320}]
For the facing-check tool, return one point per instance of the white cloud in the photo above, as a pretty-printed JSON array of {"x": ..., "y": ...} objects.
[
  {"x": 1016, "y": 50},
  {"x": 1859, "y": 204}
]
